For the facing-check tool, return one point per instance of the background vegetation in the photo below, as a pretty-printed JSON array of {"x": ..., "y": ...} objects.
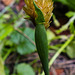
[{"x": 18, "y": 55}]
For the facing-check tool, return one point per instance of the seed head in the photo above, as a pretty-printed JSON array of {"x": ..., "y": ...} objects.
[{"x": 46, "y": 6}]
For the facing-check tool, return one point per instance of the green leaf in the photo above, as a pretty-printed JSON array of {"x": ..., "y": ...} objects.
[
  {"x": 25, "y": 48},
  {"x": 5, "y": 30},
  {"x": 40, "y": 18},
  {"x": 70, "y": 14},
  {"x": 72, "y": 28},
  {"x": 71, "y": 50},
  {"x": 24, "y": 69},
  {"x": 23, "y": 45}
]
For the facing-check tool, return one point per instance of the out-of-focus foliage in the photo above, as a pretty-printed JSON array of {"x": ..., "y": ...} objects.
[
  {"x": 70, "y": 14},
  {"x": 24, "y": 69},
  {"x": 1, "y": 67},
  {"x": 15, "y": 41},
  {"x": 71, "y": 50},
  {"x": 23, "y": 45},
  {"x": 69, "y": 3},
  {"x": 50, "y": 36},
  {"x": 1, "y": 62},
  {"x": 5, "y": 30},
  {"x": 15, "y": 37},
  {"x": 6, "y": 71}
]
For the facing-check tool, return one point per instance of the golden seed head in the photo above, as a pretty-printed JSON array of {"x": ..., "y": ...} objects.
[{"x": 46, "y": 7}]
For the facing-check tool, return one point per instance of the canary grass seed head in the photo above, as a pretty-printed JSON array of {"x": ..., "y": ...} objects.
[{"x": 46, "y": 6}]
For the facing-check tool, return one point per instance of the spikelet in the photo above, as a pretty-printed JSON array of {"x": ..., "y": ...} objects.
[{"x": 46, "y": 7}]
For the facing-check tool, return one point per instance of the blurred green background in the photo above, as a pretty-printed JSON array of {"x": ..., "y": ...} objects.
[{"x": 18, "y": 55}]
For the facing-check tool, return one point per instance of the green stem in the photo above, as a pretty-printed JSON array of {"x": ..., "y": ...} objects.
[
  {"x": 1, "y": 66},
  {"x": 7, "y": 54},
  {"x": 60, "y": 50}
]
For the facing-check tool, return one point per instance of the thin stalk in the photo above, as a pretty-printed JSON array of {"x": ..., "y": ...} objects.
[
  {"x": 1, "y": 66},
  {"x": 25, "y": 36},
  {"x": 60, "y": 50},
  {"x": 7, "y": 54}
]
